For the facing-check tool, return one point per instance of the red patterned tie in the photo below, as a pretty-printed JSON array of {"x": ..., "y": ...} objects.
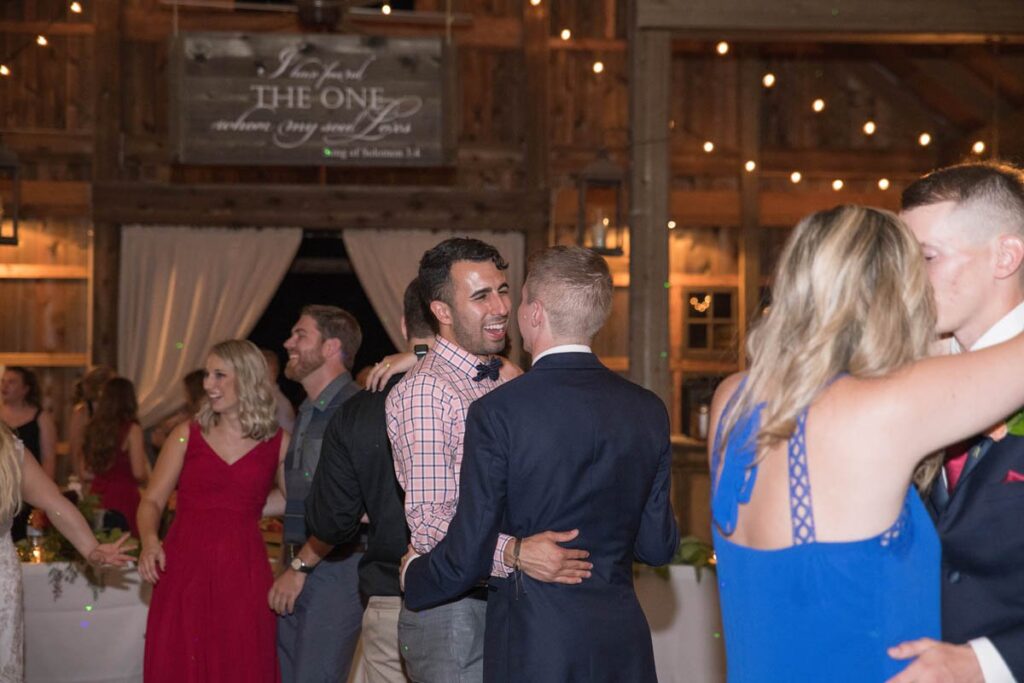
[{"x": 955, "y": 465}]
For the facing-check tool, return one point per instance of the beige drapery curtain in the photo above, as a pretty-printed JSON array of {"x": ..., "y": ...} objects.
[
  {"x": 184, "y": 289},
  {"x": 387, "y": 260}
]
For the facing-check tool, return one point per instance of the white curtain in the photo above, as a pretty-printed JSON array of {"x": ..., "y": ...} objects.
[
  {"x": 387, "y": 260},
  {"x": 184, "y": 289}
]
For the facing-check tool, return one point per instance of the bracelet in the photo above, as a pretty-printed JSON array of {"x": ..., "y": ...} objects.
[{"x": 515, "y": 554}]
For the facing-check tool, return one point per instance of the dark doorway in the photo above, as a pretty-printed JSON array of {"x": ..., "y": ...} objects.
[{"x": 320, "y": 274}]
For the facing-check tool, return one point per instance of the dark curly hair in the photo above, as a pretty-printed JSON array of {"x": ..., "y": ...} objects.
[
  {"x": 436, "y": 265},
  {"x": 116, "y": 410}
]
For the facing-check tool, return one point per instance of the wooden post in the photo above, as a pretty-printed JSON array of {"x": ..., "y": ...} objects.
[
  {"x": 106, "y": 167},
  {"x": 650, "y": 61},
  {"x": 749, "y": 103},
  {"x": 536, "y": 27}
]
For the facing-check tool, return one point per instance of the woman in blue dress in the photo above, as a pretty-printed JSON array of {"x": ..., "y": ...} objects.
[{"x": 826, "y": 555}]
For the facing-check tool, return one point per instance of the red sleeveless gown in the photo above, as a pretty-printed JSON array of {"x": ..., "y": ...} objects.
[
  {"x": 209, "y": 620},
  {"x": 117, "y": 488}
]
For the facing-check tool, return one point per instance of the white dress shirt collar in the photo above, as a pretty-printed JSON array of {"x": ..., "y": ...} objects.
[
  {"x": 1008, "y": 327},
  {"x": 564, "y": 348}
]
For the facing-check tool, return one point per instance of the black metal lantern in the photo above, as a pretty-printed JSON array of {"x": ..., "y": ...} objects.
[
  {"x": 10, "y": 197},
  {"x": 600, "y": 189}
]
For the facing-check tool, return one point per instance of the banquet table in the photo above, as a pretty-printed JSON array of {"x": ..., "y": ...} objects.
[
  {"x": 80, "y": 637},
  {"x": 686, "y": 625}
]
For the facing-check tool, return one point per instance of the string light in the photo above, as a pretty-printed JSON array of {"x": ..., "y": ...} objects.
[
  {"x": 768, "y": 80},
  {"x": 534, "y": 2},
  {"x": 924, "y": 139},
  {"x": 566, "y": 34},
  {"x": 722, "y": 48},
  {"x": 671, "y": 225},
  {"x": 598, "y": 67},
  {"x": 709, "y": 146},
  {"x": 818, "y": 105},
  {"x": 883, "y": 184},
  {"x": 837, "y": 184},
  {"x": 750, "y": 166},
  {"x": 41, "y": 40},
  {"x": 4, "y": 71},
  {"x": 76, "y": 7},
  {"x": 701, "y": 305},
  {"x": 978, "y": 147},
  {"x": 796, "y": 177},
  {"x": 385, "y": 8},
  {"x": 870, "y": 128}
]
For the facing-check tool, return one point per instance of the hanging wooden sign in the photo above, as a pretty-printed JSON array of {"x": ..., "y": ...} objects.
[{"x": 277, "y": 99}]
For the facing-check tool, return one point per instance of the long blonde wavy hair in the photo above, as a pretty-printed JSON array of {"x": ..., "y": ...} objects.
[
  {"x": 851, "y": 295},
  {"x": 256, "y": 409},
  {"x": 10, "y": 473}
]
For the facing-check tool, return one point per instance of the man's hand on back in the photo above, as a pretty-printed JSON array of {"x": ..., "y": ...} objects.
[{"x": 543, "y": 559}]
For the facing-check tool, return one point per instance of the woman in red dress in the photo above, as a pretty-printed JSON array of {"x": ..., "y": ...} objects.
[
  {"x": 209, "y": 620},
  {"x": 113, "y": 450}
]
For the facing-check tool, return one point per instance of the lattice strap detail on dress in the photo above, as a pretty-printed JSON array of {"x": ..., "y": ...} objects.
[{"x": 801, "y": 512}]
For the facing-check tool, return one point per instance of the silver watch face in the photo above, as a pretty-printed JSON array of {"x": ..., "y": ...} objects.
[{"x": 297, "y": 564}]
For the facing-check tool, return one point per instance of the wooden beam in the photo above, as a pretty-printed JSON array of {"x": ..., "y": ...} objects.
[
  {"x": 749, "y": 102},
  {"x": 321, "y": 207},
  {"x": 42, "y": 271},
  {"x": 939, "y": 17},
  {"x": 106, "y": 167},
  {"x": 650, "y": 80},
  {"x": 536, "y": 27},
  {"x": 44, "y": 360},
  {"x": 990, "y": 69},
  {"x": 889, "y": 87},
  {"x": 58, "y": 28}
]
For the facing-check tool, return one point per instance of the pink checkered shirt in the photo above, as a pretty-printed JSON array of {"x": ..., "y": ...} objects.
[{"x": 426, "y": 414}]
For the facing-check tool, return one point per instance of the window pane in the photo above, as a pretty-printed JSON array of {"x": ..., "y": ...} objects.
[{"x": 697, "y": 336}]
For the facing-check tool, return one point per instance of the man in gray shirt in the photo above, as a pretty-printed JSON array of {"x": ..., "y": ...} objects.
[{"x": 319, "y": 606}]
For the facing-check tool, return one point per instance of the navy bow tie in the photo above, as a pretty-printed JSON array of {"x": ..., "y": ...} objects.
[{"x": 488, "y": 370}]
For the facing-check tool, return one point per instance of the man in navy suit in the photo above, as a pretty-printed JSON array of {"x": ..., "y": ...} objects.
[
  {"x": 970, "y": 222},
  {"x": 570, "y": 445}
]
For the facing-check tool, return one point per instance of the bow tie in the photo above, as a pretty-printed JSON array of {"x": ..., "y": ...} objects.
[{"x": 488, "y": 370}]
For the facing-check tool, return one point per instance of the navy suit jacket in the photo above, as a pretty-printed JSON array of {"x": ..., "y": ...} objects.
[
  {"x": 570, "y": 445},
  {"x": 981, "y": 526}
]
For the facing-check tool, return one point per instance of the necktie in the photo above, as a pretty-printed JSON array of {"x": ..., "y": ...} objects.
[
  {"x": 488, "y": 370},
  {"x": 955, "y": 465}
]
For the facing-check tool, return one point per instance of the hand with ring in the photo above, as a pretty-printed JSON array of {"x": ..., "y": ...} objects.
[{"x": 387, "y": 368}]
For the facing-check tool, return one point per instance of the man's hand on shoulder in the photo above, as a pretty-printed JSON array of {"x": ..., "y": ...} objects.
[
  {"x": 937, "y": 662},
  {"x": 544, "y": 560}
]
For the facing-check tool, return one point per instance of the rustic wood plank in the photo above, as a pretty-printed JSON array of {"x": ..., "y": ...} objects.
[
  {"x": 536, "y": 27},
  {"x": 59, "y": 28},
  {"x": 649, "y": 82},
  {"x": 44, "y": 360},
  {"x": 771, "y": 19},
  {"x": 42, "y": 271},
  {"x": 749, "y": 102}
]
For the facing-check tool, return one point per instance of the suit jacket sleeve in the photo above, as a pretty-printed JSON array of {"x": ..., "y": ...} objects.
[
  {"x": 464, "y": 556},
  {"x": 1010, "y": 643},
  {"x": 658, "y": 538},
  {"x": 335, "y": 502}
]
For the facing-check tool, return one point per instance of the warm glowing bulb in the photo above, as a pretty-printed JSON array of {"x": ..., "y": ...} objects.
[
  {"x": 76, "y": 7},
  {"x": 566, "y": 34},
  {"x": 671, "y": 225},
  {"x": 598, "y": 67},
  {"x": 837, "y": 184},
  {"x": 385, "y": 9},
  {"x": 883, "y": 184},
  {"x": 768, "y": 80},
  {"x": 924, "y": 139},
  {"x": 818, "y": 105},
  {"x": 870, "y": 128},
  {"x": 41, "y": 40},
  {"x": 722, "y": 48},
  {"x": 534, "y": 2},
  {"x": 978, "y": 147},
  {"x": 750, "y": 166},
  {"x": 796, "y": 176},
  {"x": 709, "y": 147},
  {"x": 4, "y": 71}
]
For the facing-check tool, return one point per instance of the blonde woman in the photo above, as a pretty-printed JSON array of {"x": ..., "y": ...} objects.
[
  {"x": 22, "y": 479},
  {"x": 209, "y": 619},
  {"x": 826, "y": 555}
]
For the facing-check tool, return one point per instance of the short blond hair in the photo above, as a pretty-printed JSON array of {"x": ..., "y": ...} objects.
[
  {"x": 575, "y": 286},
  {"x": 256, "y": 409}
]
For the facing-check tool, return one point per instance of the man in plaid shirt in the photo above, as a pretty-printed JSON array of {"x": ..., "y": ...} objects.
[{"x": 426, "y": 413}]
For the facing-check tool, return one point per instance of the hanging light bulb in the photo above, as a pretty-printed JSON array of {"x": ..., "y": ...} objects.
[
  {"x": 4, "y": 71},
  {"x": 709, "y": 146},
  {"x": 924, "y": 139},
  {"x": 768, "y": 80},
  {"x": 818, "y": 105},
  {"x": 598, "y": 67},
  {"x": 722, "y": 48},
  {"x": 76, "y": 7},
  {"x": 750, "y": 166},
  {"x": 883, "y": 184},
  {"x": 41, "y": 40},
  {"x": 837, "y": 184},
  {"x": 796, "y": 177},
  {"x": 385, "y": 8},
  {"x": 566, "y": 34},
  {"x": 978, "y": 147},
  {"x": 671, "y": 225},
  {"x": 870, "y": 128},
  {"x": 534, "y": 2}
]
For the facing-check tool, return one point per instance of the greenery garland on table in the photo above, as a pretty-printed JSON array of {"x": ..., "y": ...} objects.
[{"x": 692, "y": 552}]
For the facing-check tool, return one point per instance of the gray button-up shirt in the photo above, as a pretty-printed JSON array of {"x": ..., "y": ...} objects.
[{"x": 304, "y": 451}]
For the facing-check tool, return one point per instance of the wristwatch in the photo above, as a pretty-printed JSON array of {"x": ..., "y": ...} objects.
[
  {"x": 420, "y": 350},
  {"x": 298, "y": 565}
]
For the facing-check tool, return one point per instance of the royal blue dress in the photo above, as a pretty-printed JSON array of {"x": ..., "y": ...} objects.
[{"x": 817, "y": 611}]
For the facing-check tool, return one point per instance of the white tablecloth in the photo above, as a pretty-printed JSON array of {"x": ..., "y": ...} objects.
[
  {"x": 79, "y": 638},
  {"x": 686, "y": 625}
]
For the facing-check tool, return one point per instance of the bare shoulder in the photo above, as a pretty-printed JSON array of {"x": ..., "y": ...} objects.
[
  {"x": 724, "y": 392},
  {"x": 180, "y": 433}
]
